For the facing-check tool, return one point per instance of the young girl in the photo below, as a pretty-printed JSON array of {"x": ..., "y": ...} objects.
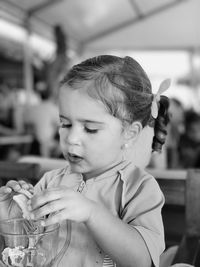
[{"x": 114, "y": 207}]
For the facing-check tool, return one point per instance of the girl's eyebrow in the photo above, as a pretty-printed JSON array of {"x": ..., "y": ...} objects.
[
  {"x": 85, "y": 121},
  {"x": 63, "y": 117}
]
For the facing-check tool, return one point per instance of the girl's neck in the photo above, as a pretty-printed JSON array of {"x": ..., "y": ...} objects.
[{"x": 87, "y": 176}]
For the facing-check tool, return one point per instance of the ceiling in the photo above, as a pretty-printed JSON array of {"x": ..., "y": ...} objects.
[{"x": 102, "y": 25}]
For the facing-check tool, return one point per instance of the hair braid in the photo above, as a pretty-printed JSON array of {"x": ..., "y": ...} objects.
[{"x": 160, "y": 127}]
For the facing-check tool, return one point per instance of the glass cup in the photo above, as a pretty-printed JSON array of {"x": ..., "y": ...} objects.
[{"x": 26, "y": 243}]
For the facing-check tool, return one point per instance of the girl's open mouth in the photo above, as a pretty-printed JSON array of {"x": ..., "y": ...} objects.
[{"x": 74, "y": 158}]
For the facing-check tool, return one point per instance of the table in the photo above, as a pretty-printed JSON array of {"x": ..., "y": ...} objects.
[
  {"x": 15, "y": 140},
  {"x": 11, "y": 147}
]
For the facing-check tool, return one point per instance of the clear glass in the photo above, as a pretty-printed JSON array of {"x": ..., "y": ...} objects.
[{"x": 28, "y": 244}]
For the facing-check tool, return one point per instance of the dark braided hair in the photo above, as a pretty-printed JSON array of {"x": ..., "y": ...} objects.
[
  {"x": 161, "y": 122},
  {"x": 124, "y": 88}
]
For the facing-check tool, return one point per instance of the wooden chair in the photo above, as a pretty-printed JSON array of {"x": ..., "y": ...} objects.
[
  {"x": 181, "y": 212},
  {"x": 18, "y": 171}
]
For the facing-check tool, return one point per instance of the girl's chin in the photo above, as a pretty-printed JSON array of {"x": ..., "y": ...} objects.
[{"x": 76, "y": 168}]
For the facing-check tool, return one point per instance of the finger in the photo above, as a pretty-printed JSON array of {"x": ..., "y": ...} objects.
[
  {"x": 4, "y": 192},
  {"x": 49, "y": 208},
  {"x": 26, "y": 189},
  {"x": 25, "y": 192},
  {"x": 46, "y": 196},
  {"x": 24, "y": 184},
  {"x": 14, "y": 185},
  {"x": 56, "y": 218},
  {"x": 31, "y": 189}
]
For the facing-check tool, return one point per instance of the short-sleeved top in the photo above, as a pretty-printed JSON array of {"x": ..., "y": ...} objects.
[{"x": 127, "y": 192}]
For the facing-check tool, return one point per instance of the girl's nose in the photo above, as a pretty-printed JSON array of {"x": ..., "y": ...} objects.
[{"x": 73, "y": 136}]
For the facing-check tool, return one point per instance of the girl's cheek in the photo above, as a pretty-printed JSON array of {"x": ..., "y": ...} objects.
[
  {"x": 62, "y": 134},
  {"x": 62, "y": 142},
  {"x": 60, "y": 131},
  {"x": 62, "y": 138}
]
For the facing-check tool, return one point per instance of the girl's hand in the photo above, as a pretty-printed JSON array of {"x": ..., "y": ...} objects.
[
  {"x": 8, "y": 207},
  {"x": 61, "y": 203}
]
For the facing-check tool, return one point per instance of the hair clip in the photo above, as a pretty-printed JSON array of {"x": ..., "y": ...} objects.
[{"x": 162, "y": 88}]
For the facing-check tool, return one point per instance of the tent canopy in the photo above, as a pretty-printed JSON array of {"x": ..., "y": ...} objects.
[{"x": 101, "y": 25}]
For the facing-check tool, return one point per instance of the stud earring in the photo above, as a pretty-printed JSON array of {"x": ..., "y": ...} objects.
[{"x": 125, "y": 146}]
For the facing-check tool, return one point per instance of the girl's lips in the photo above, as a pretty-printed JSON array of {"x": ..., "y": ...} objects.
[{"x": 74, "y": 158}]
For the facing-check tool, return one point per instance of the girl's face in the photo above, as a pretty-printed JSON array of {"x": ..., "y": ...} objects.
[{"x": 91, "y": 139}]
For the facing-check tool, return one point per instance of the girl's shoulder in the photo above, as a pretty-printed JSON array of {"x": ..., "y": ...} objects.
[
  {"x": 136, "y": 180},
  {"x": 130, "y": 173},
  {"x": 140, "y": 191}
]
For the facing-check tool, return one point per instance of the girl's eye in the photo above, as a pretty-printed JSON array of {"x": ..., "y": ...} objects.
[
  {"x": 65, "y": 125},
  {"x": 91, "y": 131}
]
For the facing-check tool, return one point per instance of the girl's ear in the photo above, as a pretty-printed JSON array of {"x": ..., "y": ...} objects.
[{"x": 133, "y": 131}]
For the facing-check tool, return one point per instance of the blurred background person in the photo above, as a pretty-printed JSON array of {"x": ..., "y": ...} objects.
[
  {"x": 6, "y": 110},
  {"x": 42, "y": 121},
  {"x": 175, "y": 129},
  {"x": 7, "y": 123},
  {"x": 189, "y": 144}
]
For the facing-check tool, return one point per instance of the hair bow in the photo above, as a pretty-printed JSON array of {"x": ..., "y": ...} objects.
[{"x": 162, "y": 88}]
